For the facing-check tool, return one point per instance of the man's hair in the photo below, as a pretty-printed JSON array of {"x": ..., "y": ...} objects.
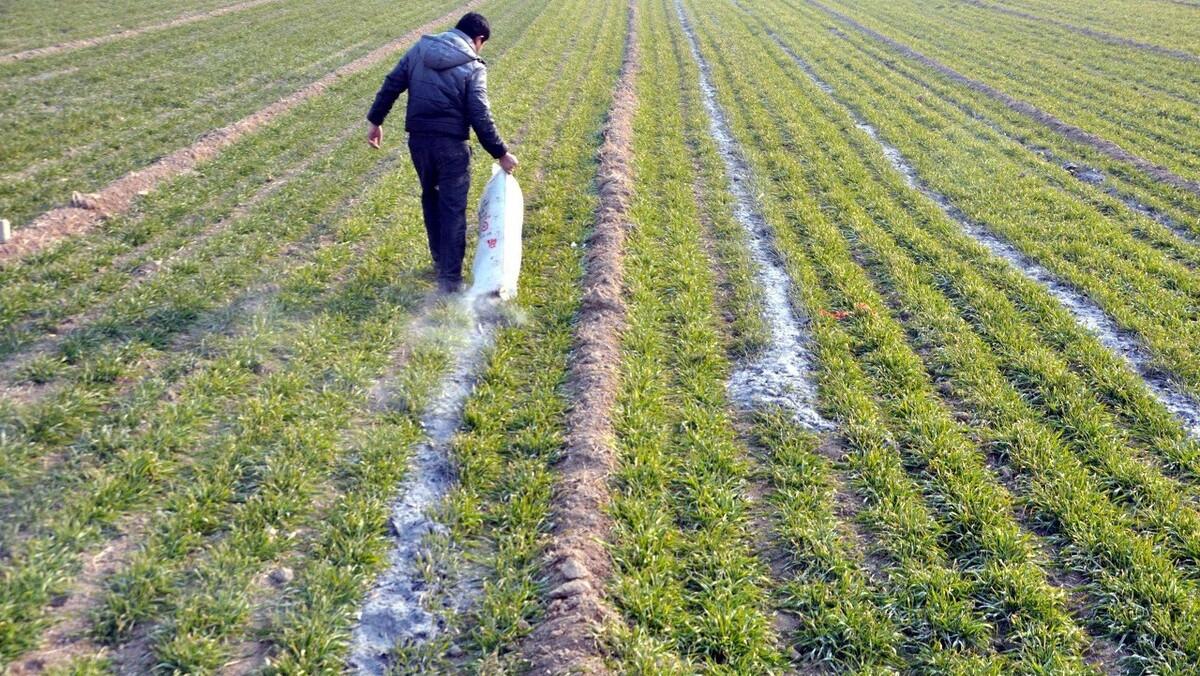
[{"x": 475, "y": 26}]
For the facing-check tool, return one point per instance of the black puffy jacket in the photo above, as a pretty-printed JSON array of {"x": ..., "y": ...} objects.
[{"x": 447, "y": 91}]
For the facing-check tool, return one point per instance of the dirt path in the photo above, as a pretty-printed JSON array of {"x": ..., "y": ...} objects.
[
  {"x": 577, "y": 563},
  {"x": 181, "y": 20},
  {"x": 88, "y": 211},
  {"x": 1068, "y": 131},
  {"x": 1089, "y": 32}
]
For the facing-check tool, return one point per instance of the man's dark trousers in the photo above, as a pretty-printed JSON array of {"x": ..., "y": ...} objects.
[{"x": 443, "y": 166}]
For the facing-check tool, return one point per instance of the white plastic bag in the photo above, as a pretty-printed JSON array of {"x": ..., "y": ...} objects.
[{"x": 498, "y": 252}]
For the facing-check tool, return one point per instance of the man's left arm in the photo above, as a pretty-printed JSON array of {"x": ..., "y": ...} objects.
[{"x": 479, "y": 113}]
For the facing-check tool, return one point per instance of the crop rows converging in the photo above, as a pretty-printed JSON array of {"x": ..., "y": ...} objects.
[
  {"x": 853, "y": 337},
  {"x": 86, "y": 117}
]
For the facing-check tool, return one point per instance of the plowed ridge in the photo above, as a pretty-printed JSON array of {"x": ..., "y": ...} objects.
[{"x": 578, "y": 563}]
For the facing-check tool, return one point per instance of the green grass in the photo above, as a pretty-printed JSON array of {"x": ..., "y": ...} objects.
[
  {"x": 29, "y": 24},
  {"x": 120, "y": 106},
  {"x": 688, "y": 581},
  {"x": 875, "y": 354},
  {"x": 1114, "y": 103},
  {"x": 130, "y": 464},
  {"x": 999, "y": 493}
]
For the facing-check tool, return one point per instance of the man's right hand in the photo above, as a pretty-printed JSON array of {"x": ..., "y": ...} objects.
[
  {"x": 374, "y": 134},
  {"x": 508, "y": 163}
]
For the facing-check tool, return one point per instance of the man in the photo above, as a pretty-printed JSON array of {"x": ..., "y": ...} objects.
[{"x": 447, "y": 94}]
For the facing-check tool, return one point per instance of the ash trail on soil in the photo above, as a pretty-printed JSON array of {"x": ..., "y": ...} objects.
[
  {"x": 396, "y": 611},
  {"x": 782, "y": 376},
  {"x": 1090, "y": 315}
]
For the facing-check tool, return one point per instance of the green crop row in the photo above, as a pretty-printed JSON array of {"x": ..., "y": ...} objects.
[
  {"x": 902, "y": 118},
  {"x": 512, "y": 422},
  {"x": 1156, "y": 126},
  {"x": 124, "y": 462},
  {"x": 88, "y": 271},
  {"x": 831, "y": 222},
  {"x": 90, "y": 370},
  {"x": 1139, "y": 69},
  {"x": 513, "y": 429},
  {"x": 1165, "y": 22},
  {"x": 189, "y": 465},
  {"x": 195, "y": 614},
  {"x": 118, "y": 107},
  {"x": 687, "y": 581},
  {"x": 134, "y": 325},
  {"x": 1009, "y": 323},
  {"x": 1018, "y": 196},
  {"x": 938, "y": 614},
  {"x": 29, "y": 24},
  {"x": 982, "y": 112}
]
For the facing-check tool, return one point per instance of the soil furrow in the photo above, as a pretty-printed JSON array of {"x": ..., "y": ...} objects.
[
  {"x": 577, "y": 563},
  {"x": 1069, "y": 131},
  {"x": 118, "y": 197},
  {"x": 130, "y": 33}
]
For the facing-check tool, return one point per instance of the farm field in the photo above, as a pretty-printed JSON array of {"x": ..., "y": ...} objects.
[{"x": 853, "y": 337}]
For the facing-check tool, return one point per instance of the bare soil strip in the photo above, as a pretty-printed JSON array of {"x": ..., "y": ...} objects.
[
  {"x": 1090, "y": 315},
  {"x": 181, "y": 20},
  {"x": 1068, "y": 131},
  {"x": 89, "y": 211},
  {"x": 567, "y": 640},
  {"x": 1089, "y": 32}
]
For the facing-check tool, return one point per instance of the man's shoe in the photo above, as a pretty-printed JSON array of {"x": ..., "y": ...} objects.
[
  {"x": 449, "y": 285},
  {"x": 433, "y": 273}
]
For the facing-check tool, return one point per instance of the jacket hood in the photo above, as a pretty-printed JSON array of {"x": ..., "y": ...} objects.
[{"x": 447, "y": 50}]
